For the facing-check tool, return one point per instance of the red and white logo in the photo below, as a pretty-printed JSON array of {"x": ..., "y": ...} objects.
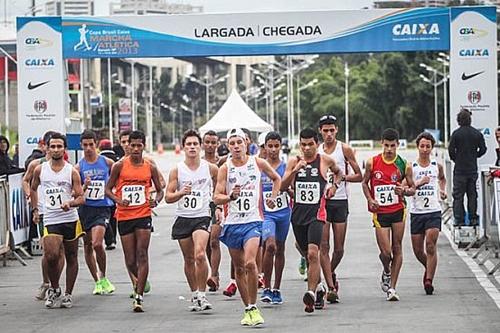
[
  {"x": 474, "y": 96},
  {"x": 40, "y": 106}
]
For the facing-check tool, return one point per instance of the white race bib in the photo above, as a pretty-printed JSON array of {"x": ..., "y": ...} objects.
[
  {"x": 425, "y": 197},
  {"x": 385, "y": 195},
  {"x": 307, "y": 193},
  {"x": 245, "y": 203},
  {"x": 192, "y": 201},
  {"x": 54, "y": 197},
  {"x": 280, "y": 203},
  {"x": 135, "y": 194},
  {"x": 95, "y": 191}
]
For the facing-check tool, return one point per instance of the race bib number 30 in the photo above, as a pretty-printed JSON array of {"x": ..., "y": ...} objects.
[
  {"x": 134, "y": 194},
  {"x": 192, "y": 201},
  {"x": 245, "y": 203},
  {"x": 385, "y": 195},
  {"x": 95, "y": 191},
  {"x": 280, "y": 203},
  {"x": 307, "y": 193},
  {"x": 54, "y": 197}
]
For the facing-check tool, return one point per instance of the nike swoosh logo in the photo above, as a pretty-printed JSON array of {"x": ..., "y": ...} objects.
[
  {"x": 34, "y": 86},
  {"x": 466, "y": 77}
]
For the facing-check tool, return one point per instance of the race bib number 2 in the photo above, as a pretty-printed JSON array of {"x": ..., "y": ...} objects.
[
  {"x": 385, "y": 195},
  {"x": 95, "y": 191},
  {"x": 134, "y": 194}
]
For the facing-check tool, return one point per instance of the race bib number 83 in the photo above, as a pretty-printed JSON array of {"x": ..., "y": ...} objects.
[{"x": 307, "y": 193}]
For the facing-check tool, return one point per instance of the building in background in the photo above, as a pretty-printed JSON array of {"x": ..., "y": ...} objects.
[
  {"x": 69, "y": 7},
  {"x": 151, "y": 7}
]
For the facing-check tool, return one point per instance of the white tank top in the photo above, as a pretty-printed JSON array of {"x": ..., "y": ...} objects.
[
  {"x": 56, "y": 189},
  {"x": 426, "y": 198},
  {"x": 247, "y": 208},
  {"x": 338, "y": 156},
  {"x": 196, "y": 204}
]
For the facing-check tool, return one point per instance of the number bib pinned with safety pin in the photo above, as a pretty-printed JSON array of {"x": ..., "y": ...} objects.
[{"x": 134, "y": 194}]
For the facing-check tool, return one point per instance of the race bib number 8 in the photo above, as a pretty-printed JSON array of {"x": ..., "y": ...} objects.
[
  {"x": 280, "y": 203},
  {"x": 307, "y": 193},
  {"x": 134, "y": 194},
  {"x": 385, "y": 195},
  {"x": 192, "y": 201},
  {"x": 95, "y": 191},
  {"x": 245, "y": 203},
  {"x": 54, "y": 197}
]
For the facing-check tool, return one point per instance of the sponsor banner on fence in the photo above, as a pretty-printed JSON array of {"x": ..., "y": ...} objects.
[
  {"x": 41, "y": 83},
  {"x": 19, "y": 210},
  {"x": 124, "y": 114},
  {"x": 473, "y": 71},
  {"x": 378, "y": 30}
]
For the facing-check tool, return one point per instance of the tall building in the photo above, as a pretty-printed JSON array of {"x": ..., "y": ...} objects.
[
  {"x": 69, "y": 7},
  {"x": 409, "y": 3},
  {"x": 151, "y": 7}
]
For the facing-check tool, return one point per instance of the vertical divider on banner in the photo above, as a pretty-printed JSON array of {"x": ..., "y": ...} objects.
[{"x": 42, "y": 97}]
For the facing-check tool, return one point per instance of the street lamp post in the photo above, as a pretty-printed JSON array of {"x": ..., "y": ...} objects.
[
  {"x": 299, "y": 89},
  {"x": 110, "y": 105},
  {"x": 435, "y": 83},
  {"x": 346, "y": 73},
  {"x": 444, "y": 59},
  {"x": 207, "y": 84},
  {"x": 173, "y": 110}
]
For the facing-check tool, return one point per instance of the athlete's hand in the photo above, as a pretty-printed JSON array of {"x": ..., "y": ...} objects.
[
  {"x": 186, "y": 189},
  {"x": 373, "y": 205},
  {"x": 87, "y": 181},
  {"x": 218, "y": 216},
  {"x": 65, "y": 206},
  {"x": 330, "y": 192},
  {"x": 123, "y": 202},
  {"x": 443, "y": 195},
  {"x": 36, "y": 217},
  {"x": 270, "y": 202},
  {"x": 425, "y": 180},
  {"x": 153, "y": 203},
  {"x": 301, "y": 164},
  {"x": 399, "y": 189},
  {"x": 235, "y": 193}
]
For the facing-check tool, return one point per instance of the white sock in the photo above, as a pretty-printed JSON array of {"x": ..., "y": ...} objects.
[
  {"x": 201, "y": 294},
  {"x": 195, "y": 294}
]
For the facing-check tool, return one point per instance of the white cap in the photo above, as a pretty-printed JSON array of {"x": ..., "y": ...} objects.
[
  {"x": 261, "y": 140},
  {"x": 236, "y": 132}
]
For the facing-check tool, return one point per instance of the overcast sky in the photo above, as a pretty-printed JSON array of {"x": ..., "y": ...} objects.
[{"x": 20, "y": 7}]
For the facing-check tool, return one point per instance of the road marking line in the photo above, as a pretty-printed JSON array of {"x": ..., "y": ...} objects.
[{"x": 480, "y": 275}]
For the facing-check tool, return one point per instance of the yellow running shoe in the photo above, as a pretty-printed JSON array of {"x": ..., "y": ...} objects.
[
  {"x": 256, "y": 317},
  {"x": 247, "y": 319},
  {"x": 98, "y": 290},
  {"x": 107, "y": 286}
]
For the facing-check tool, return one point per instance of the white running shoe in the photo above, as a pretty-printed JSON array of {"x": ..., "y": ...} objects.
[
  {"x": 41, "y": 292},
  {"x": 392, "y": 295},
  {"x": 67, "y": 301},
  {"x": 53, "y": 298},
  {"x": 385, "y": 282},
  {"x": 195, "y": 304},
  {"x": 204, "y": 303}
]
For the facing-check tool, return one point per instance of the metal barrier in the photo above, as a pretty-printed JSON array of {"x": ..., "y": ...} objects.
[{"x": 4, "y": 218}]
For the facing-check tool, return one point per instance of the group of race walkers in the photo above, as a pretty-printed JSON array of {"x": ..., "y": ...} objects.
[{"x": 247, "y": 202}]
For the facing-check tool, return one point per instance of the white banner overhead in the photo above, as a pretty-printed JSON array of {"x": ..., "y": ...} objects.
[
  {"x": 473, "y": 71},
  {"x": 41, "y": 84}
]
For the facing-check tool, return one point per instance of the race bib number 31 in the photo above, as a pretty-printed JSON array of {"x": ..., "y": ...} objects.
[
  {"x": 280, "y": 203},
  {"x": 307, "y": 193},
  {"x": 385, "y": 195},
  {"x": 95, "y": 191},
  {"x": 54, "y": 197},
  {"x": 134, "y": 194}
]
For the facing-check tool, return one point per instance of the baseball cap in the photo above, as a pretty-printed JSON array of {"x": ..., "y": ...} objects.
[
  {"x": 327, "y": 119},
  {"x": 261, "y": 140},
  {"x": 104, "y": 144},
  {"x": 236, "y": 132}
]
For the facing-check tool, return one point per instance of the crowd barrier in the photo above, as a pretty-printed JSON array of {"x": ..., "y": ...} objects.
[{"x": 4, "y": 217}]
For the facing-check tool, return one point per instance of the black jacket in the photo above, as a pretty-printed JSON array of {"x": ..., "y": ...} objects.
[
  {"x": 110, "y": 154},
  {"x": 498, "y": 157},
  {"x": 466, "y": 146},
  {"x": 7, "y": 167},
  {"x": 35, "y": 155}
]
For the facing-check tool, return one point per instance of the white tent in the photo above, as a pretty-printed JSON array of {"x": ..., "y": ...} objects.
[{"x": 235, "y": 113}]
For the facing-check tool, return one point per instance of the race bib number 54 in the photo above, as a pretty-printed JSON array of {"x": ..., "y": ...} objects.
[
  {"x": 385, "y": 195},
  {"x": 134, "y": 194}
]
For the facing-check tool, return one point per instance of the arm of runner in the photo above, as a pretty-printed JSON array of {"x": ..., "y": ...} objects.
[
  {"x": 357, "y": 177},
  {"x": 77, "y": 191},
  {"x": 35, "y": 182},
  {"x": 339, "y": 175},
  {"x": 220, "y": 196},
  {"x": 115, "y": 173},
  {"x": 28, "y": 177},
  {"x": 372, "y": 203},
  {"x": 292, "y": 167},
  {"x": 410, "y": 189},
  {"x": 265, "y": 167},
  {"x": 442, "y": 182},
  {"x": 157, "y": 176},
  {"x": 214, "y": 170},
  {"x": 172, "y": 194}
]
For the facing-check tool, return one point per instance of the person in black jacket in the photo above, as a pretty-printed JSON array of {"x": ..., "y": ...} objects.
[
  {"x": 7, "y": 167},
  {"x": 466, "y": 146}
]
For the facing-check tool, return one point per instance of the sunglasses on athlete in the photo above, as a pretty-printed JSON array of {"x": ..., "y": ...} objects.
[{"x": 327, "y": 119}]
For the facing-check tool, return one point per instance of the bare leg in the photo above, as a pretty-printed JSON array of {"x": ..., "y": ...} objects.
[
  {"x": 143, "y": 237},
  {"x": 187, "y": 248},
  {"x": 431, "y": 237},
  {"x": 98, "y": 247},
  {"x": 398, "y": 230},
  {"x": 251, "y": 249},
  {"x": 200, "y": 240},
  {"x": 313, "y": 270},
  {"x": 71, "y": 252},
  {"x": 325, "y": 255},
  {"x": 279, "y": 264},
  {"x": 417, "y": 242},
  {"x": 268, "y": 260},
  {"x": 89, "y": 255},
  {"x": 52, "y": 249},
  {"x": 238, "y": 261},
  {"x": 383, "y": 236}
]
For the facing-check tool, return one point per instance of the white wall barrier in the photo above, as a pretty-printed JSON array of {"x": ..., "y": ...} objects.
[
  {"x": 4, "y": 216},
  {"x": 19, "y": 210}
]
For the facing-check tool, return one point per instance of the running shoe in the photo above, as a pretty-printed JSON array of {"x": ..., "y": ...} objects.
[
  {"x": 41, "y": 292},
  {"x": 302, "y": 266},
  {"x": 67, "y": 301},
  {"x": 261, "y": 281},
  {"x": 267, "y": 296},
  {"x": 392, "y": 295},
  {"x": 53, "y": 298},
  {"x": 319, "y": 304},
  {"x": 98, "y": 289},
  {"x": 247, "y": 319},
  {"x": 195, "y": 304},
  {"x": 107, "y": 286},
  {"x": 385, "y": 282},
  {"x": 309, "y": 301},
  {"x": 111, "y": 246},
  {"x": 335, "y": 282},
  {"x": 204, "y": 303},
  {"x": 429, "y": 288},
  {"x": 147, "y": 287},
  {"x": 213, "y": 284},
  {"x": 231, "y": 289},
  {"x": 277, "y": 299},
  {"x": 138, "y": 303},
  {"x": 332, "y": 296},
  {"x": 256, "y": 317}
]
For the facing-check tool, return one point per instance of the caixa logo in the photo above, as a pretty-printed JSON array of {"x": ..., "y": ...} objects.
[
  {"x": 474, "y": 53},
  {"x": 36, "y": 42},
  {"x": 415, "y": 29},
  {"x": 39, "y": 62},
  {"x": 468, "y": 33},
  {"x": 32, "y": 140}
]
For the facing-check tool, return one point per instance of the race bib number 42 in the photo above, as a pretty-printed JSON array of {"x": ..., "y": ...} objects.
[
  {"x": 280, "y": 203},
  {"x": 307, "y": 193},
  {"x": 95, "y": 191},
  {"x": 134, "y": 194},
  {"x": 54, "y": 197},
  {"x": 385, "y": 195}
]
